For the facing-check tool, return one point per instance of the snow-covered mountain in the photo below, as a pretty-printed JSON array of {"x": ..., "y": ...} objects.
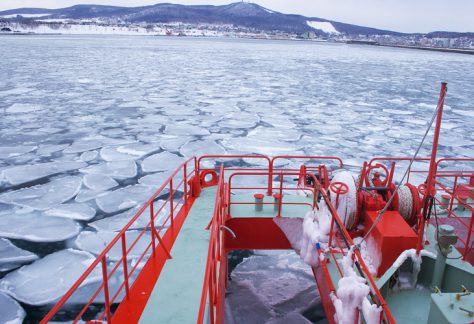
[{"x": 243, "y": 14}]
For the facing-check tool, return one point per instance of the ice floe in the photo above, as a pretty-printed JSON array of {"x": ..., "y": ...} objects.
[
  {"x": 88, "y": 156},
  {"x": 127, "y": 152},
  {"x": 11, "y": 311},
  {"x": 46, "y": 280},
  {"x": 161, "y": 162},
  {"x": 27, "y": 173},
  {"x": 83, "y": 146},
  {"x": 12, "y": 257},
  {"x": 13, "y": 151},
  {"x": 99, "y": 182},
  {"x": 117, "y": 222},
  {"x": 95, "y": 242},
  {"x": 76, "y": 211},
  {"x": 18, "y": 108},
  {"x": 268, "y": 284},
  {"x": 44, "y": 196},
  {"x": 260, "y": 146},
  {"x": 155, "y": 179},
  {"x": 198, "y": 148},
  {"x": 185, "y": 129},
  {"x": 37, "y": 227},
  {"x": 48, "y": 149},
  {"x": 124, "y": 198},
  {"x": 119, "y": 170}
]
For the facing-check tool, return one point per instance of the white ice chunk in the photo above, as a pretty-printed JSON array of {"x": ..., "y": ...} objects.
[
  {"x": 37, "y": 227},
  {"x": 117, "y": 222},
  {"x": 185, "y": 129},
  {"x": 173, "y": 143},
  {"x": 46, "y": 280},
  {"x": 260, "y": 146},
  {"x": 119, "y": 170},
  {"x": 161, "y": 162},
  {"x": 124, "y": 198},
  {"x": 127, "y": 152},
  {"x": 95, "y": 242},
  {"x": 99, "y": 182},
  {"x": 48, "y": 149},
  {"x": 12, "y": 151},
  {"x": 198, "y": 148},
  {"x": 11, "y": 312},
  {"x": 75, "y": 211},
  {"x": 12, "y": 257},
  {"x": 45, "y": 196},
  {"x": 239, "y": 120},
  {"x": 83, "y": 146},
  {"x": 27, "y": 173},
  {"x": 155, "y": 179},
  {"x": 276, "y": 280},
  {"x": 88, "y": 156},
  {"x": 18, "y": 108}
]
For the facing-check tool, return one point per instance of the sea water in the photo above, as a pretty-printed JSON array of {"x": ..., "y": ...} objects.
[{"x": 120, "y": 112}]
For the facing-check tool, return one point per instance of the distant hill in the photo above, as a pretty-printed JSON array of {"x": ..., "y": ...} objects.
[{"x": 243, "y": 14}]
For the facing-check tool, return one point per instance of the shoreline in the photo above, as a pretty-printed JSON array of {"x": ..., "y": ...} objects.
[{"x": 434, "y": 49}]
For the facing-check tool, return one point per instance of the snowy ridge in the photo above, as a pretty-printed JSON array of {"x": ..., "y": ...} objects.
[{"x": 325, "y": 26}]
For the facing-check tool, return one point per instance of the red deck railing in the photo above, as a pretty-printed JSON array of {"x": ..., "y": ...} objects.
[
  {"x": 122, "y": 273},
  {"x": 213, "y": 293},
  {"x": 113, "y": 279}
]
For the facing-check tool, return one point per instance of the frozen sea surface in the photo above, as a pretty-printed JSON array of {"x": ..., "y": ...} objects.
[{"x": 92, "y": 125}]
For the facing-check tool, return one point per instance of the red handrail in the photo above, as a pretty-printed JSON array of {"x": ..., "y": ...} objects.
[
  {"x": 102, "y": 257},
  {"x": 212, "y": 284}
]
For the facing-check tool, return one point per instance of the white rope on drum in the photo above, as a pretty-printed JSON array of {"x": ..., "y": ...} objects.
[{"x": 405, "y": 202}]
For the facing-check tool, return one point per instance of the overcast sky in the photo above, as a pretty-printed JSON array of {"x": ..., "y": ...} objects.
[{"x": 398, "y": 15}]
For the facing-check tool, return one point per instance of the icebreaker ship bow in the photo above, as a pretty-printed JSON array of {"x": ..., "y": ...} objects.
[{"x": 391, "y": 245}]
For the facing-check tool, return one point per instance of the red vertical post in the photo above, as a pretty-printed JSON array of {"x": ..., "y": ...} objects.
[
  {"x": 281, "y": 194},
  {"x": 185, "y": 183},
  {"x": 171, "y": 202},
  {"x": 125, "y": 266},
  {"x": 430, "y": 185},
  {"x": 106, "y": 289},
  {"x": 270, "y": 178},
  {"x": 152, "y": 223},
  {"x": 451, "y": 200},
  {"x": 469, "y": 235}
]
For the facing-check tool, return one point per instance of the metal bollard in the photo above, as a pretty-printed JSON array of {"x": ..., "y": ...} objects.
[
  {"x": 277, "y": 199},
  {"x": 444, "y": 201},
  {"x": 462, "y": 199},
  {"x": 258, "y": 202}
]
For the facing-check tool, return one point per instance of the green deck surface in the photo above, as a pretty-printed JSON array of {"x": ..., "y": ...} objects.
[
  {"x": 410, "y": 306},
  {"x": 177, "y": 293},
  {"x": 248, "y": 210}
]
